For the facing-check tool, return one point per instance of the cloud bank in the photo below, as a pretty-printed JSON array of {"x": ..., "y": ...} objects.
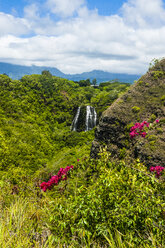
[{"x": 67, "y": 35}]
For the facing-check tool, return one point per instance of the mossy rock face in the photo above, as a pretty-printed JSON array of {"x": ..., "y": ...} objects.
[{"x": 148, "y": 97}]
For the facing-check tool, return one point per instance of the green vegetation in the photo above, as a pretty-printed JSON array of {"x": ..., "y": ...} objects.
[
  {"x": 35, "y": 117},
  {"x": 144, "y": 101},
  {"x": 135, "y": 109},
  {"x": 103, "y": 203},
  {"x": 158, "y": 74},
  {"x": 163, "y": 99},
  {"x": 152, "y": 118}
]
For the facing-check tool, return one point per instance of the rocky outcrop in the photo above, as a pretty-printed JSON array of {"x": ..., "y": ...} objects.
[{"x": 145, "y": 100}]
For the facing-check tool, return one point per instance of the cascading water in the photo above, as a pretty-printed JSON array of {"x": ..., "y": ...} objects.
[
  {"x": 91, "y": 117},
  {"x": 85, "y": 119},
  {"x": 75, "y": 120}
]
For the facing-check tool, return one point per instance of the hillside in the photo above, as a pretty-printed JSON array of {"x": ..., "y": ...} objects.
[
  {"x": 52, "y": 193},
  {"x": 144, "y": 101},
  {"x": 18, "y": 71}
]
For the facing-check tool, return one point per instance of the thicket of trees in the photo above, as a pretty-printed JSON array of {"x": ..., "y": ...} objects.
[{"x": 34, "y": 109}]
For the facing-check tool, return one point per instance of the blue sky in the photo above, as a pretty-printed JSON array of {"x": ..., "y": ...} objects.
[
  {"x": 105, "y": 7},
  {"x": 83, "y": 35}
]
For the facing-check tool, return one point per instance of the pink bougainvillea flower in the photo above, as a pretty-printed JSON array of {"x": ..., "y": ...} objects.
[
  {"x": 54, "y": 180},
  {"x": 157, "y": 121},
  {"x": 143, "y": 134},
  {"x": 148, "y": 124},
  {"x": 138, "y": 129},
  {"x": 158, "y": 170}
]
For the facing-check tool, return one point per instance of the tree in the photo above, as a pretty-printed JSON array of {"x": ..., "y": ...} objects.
[
  {"x": 84, "y": 83},
  {"x": 94, "y": 81},
  {"x": 46, "y": 73}
]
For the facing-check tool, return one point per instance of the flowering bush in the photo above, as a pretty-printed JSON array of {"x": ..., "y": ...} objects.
[
  {"x": 138, "y": 129},
  {"x": 54, "y": 180},
  {"x": 158, "y": 170}
]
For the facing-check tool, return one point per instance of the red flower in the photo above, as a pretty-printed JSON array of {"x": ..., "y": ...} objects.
[
  {"x": 138, "y": 129},
  {"x": 158, "y": 170},
  {"x": 54, "y": 180}
]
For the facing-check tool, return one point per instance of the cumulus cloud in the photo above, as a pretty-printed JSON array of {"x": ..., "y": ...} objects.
[
  {"x": 31, "y": 11},
  {"x": 144, "y": 13},
  {"x": 12, "y": 25},
  {"x": 64, "y": 8},
  {"x": 85, "y": 41}
]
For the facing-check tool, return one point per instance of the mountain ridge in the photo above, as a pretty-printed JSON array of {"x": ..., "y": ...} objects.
[{"x": 15, "y": 71}]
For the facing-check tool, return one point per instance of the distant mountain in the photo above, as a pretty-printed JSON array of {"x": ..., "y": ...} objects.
[
  {"x": 18, "y": 71},
  {"x": 103, "y": 76}
]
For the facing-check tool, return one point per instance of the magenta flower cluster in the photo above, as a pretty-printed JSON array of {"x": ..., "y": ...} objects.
[
  {"x": 158, "y": 170},
  {"x": 54, "y": 180},
  {"x": 138, "y": 129}
]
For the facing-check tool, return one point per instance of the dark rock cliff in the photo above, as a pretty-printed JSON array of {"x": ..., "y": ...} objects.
[{"x": 144, "y": 101}]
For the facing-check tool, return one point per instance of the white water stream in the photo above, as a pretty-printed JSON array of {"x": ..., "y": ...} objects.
[
  {"x": 75, "y": 120},
  {"x": 91, "y": 117},
  {"x": 90, "y": 120}
]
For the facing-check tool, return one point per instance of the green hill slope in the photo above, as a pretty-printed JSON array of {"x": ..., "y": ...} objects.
[{"x": 144, "y": 101}]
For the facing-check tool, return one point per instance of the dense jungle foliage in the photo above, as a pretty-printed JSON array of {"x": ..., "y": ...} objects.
[
  {"x": 103, "y": 203},
  {"x": 36, "y": 113}
]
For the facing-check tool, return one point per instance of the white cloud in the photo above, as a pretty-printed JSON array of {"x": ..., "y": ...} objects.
[
  {"x": 31, "y": 11},
  {"x": 12, "y": 25},
  {"x": 144, "y": 13},
  {"x": 87, "y": 41},
  {"x": 64, "y": 8}
]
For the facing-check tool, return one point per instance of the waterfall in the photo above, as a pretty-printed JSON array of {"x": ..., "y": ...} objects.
[
  {"x": 75, "y": 120},
  {"x": 85, "y": 119},
  {"x": 91, "y": 118}
]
